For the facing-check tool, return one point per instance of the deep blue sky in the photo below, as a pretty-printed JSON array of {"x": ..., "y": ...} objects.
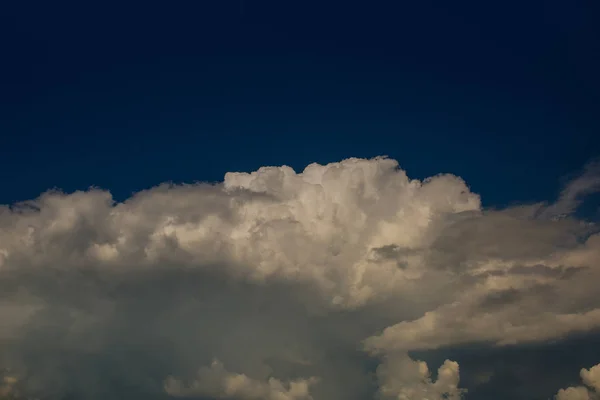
[{"x": 505, "y": 94}]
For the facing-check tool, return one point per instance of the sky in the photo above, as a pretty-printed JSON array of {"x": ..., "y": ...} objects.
[{"x": 256, "y": 199}]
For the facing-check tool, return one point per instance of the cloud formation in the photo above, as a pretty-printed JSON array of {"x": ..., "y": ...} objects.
[
  {"x": 403, "y": 378},
  {"x": 288, "y": 279},
  {"x": 591, "y": 390},
  {"x": 217, "y": 382}
]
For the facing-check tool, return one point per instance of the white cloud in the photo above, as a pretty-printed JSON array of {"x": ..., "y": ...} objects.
[
  {"x": 217, "y": 382},
  {"x": 591, "y": 378},
  {"x": 286, "y": 274},
  {"x": 405, "y": 379},
  {"x": 318, "y": 227}
]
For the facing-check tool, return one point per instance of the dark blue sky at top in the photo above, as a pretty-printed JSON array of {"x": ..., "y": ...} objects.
[{"x": 126, "y": 96}]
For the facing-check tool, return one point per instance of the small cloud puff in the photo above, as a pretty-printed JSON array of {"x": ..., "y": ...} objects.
[
  {"x": 591, "y": 378},
  {"x": 217, "y": 382}
]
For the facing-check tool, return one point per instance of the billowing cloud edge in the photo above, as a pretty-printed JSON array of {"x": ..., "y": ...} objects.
[{"x": 591, "y": 390}]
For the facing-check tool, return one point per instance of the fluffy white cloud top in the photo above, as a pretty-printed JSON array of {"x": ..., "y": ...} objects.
[
  {"x": 591, "y": 390},
  {"x": 403, "y": 378},
  {"x": 298, "y": 283}
]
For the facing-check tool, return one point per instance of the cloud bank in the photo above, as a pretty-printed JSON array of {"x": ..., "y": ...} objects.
[{"x": 284, "y": 285}]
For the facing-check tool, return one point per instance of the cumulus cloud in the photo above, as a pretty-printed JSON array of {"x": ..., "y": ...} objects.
[
  {"x": 217, "y": 382},
  {"x": 591, "y": 378},
  {"x": 404, "y": 379},
  {"x": 283, "y": 276}
]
